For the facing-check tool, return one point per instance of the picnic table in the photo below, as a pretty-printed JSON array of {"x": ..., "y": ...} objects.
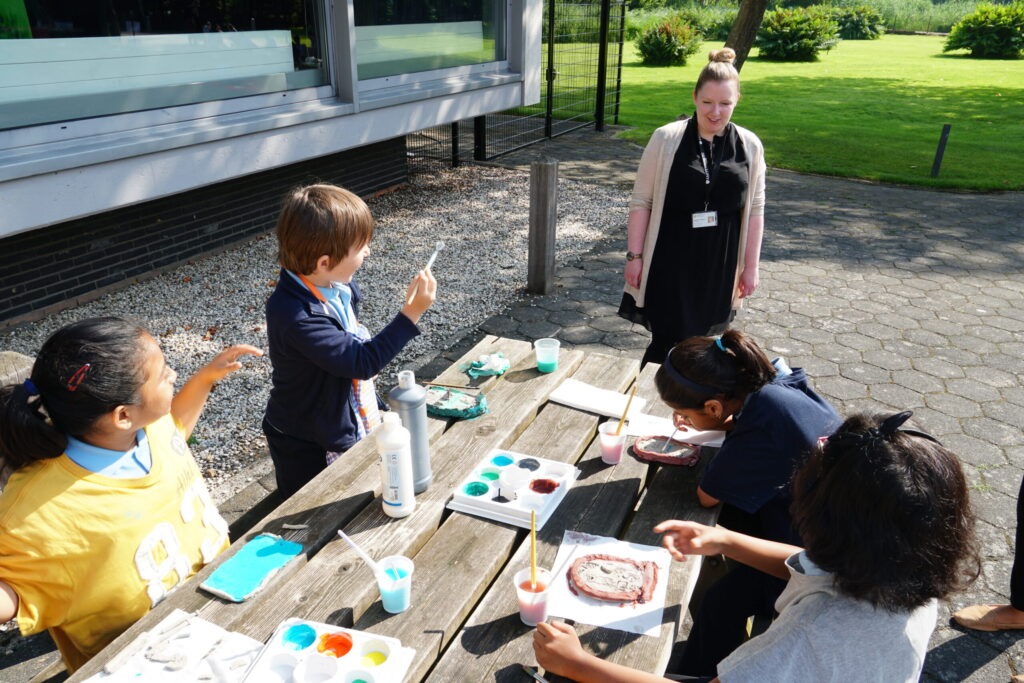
[{"x": 464, "y": 620}]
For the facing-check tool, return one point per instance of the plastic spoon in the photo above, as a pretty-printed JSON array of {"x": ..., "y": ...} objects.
[
  {"x": 366, "y": 558},
  {"x": 665, "y": 447}
]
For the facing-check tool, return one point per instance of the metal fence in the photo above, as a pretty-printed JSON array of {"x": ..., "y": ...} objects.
[{"x": 582, "y": 72}]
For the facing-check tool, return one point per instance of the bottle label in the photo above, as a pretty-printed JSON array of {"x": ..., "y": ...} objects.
[{"x": 393, "y": 480}]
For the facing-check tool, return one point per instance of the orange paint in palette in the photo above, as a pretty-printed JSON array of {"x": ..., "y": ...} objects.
[{"x": 335, "y": 644}]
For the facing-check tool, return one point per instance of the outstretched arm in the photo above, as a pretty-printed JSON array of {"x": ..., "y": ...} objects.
[
  {"x": 188, "y": 403},
  {"x": 689, "y": 538}
]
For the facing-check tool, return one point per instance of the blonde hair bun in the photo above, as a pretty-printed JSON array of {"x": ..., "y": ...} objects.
[{"x": 725, "y": 54}]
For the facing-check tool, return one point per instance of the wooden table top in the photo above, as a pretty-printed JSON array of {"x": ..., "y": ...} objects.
[{"x": 464, "y": 619}]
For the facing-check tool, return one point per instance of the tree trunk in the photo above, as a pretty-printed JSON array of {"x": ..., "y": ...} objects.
[{"x": 744, "y": 29}]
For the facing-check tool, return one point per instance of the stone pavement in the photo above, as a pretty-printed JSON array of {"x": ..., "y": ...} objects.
[{"x": 892, "y": 298}]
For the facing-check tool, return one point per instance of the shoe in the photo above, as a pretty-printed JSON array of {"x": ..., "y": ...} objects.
[{"x": 990, "y": 618}]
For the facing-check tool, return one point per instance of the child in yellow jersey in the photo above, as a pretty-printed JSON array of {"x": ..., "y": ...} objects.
[{"x": 105, "y": 510}]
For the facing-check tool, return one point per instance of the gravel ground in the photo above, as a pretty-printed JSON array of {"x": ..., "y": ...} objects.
[{"x": 481, "y": 213}]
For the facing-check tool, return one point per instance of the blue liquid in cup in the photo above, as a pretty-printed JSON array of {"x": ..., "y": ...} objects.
[{"x": 395, "y": 593}]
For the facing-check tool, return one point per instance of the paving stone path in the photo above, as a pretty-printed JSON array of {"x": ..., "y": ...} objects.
[{"x": 892, "y": 298}]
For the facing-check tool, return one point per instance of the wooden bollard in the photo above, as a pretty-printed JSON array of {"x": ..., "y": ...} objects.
[{"x": 540, "y": 273}]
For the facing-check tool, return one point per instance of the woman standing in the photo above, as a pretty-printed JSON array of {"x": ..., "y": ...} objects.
[{"x": 695, "y": 218}]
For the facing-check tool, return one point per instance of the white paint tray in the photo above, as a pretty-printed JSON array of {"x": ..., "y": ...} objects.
[
  {"x": 297, "y": 652},
  {"x": 489, "y": 491}
]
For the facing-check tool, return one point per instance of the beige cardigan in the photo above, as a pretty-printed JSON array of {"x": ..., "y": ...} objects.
[{"x": 652, "y": 181}]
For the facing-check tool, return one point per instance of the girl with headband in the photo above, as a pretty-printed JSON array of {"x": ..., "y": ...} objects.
[
  {"x": 772, "y": 420},
  {"x": 105, "y": 510}
]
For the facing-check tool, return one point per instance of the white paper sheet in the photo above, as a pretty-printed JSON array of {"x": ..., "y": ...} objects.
[
  {"x": 649, "y": 425},
  {"x": 633, "y": 618},
  {"x": 577, "y": 394},
  {"x": 182, "y": 648}
]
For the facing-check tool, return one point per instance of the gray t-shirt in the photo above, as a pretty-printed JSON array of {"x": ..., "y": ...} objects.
[{"x": 822, "y": 635}]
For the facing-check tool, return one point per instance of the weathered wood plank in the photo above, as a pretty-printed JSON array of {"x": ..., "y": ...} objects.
[
  {"x": 335, "y": 586},
  {"x": 317, "y": 506},
  {"x": 462, "y": 558}
]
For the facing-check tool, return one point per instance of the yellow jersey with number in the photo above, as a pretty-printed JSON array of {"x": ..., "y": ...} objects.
[{"x": 89, "y": 555}]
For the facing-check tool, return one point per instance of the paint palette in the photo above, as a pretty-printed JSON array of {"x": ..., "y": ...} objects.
[
  {"x": 507, "y": 486},
  {"x": 303, "y": 651}
]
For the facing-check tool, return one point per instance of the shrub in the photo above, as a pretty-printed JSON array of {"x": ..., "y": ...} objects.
[
  {"x": 797, "y": 34},
  {"x": 859, "y": 23},
  {"x": 713, "y": 22},
  {"x": 990, "y": 32},
  {"x": 668, "y": 42}
]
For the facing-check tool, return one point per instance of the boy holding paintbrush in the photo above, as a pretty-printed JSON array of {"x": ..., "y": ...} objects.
[{"x": 322, "y": 398}]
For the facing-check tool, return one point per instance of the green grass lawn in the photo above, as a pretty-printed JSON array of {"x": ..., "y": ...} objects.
[{"x": 868, "y": 109}]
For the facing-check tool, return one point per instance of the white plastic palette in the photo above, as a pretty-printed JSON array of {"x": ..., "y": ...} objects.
[
  {"x": 506, "y": 486},
  {"x": 303, "y": 651}
]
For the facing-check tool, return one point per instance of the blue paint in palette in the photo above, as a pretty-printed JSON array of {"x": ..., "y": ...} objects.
[{"x": 501, "y": 460}]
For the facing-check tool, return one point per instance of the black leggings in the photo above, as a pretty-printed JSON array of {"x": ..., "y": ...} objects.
[
  {"x": 296, "y": 462},
  {"x": 1017, "y": 574}
]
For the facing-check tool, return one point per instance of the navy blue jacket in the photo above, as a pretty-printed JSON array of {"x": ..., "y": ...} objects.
[
  {"x": 776, "y": 428},
  {"x": 315, "y": 360}
]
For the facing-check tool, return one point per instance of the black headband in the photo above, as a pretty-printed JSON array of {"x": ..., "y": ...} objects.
[{"x": 688, "y": 383}]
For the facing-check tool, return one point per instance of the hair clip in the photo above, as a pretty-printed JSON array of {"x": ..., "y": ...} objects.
[
  {"x": 720, "y": 345},
  {"x": 889, "y": 426},
  {"x": 894, "y": 422},
  {"x": 30, "y": 388},
  {"x": 79, "y": 377},
  {"x": 688, "y": 383}
]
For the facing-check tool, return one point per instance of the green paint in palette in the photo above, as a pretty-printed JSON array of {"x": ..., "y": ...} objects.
[
  {"x": 489, "y": 476},
  {"x": 476, "y": 488}
]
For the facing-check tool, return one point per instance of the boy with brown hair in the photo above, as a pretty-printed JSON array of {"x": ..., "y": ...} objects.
[{"x": 322, "y": 399}]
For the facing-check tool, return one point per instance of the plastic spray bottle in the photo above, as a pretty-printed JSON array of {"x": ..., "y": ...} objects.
[
  {"x": 395, "y": 467},
  {"x": 409, "y": 400}
]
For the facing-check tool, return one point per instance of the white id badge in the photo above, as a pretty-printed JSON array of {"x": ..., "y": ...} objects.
[{"x": 705, "y": 219}]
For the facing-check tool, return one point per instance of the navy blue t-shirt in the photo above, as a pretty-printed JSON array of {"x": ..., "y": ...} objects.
[{"x": 777, "y": 426}]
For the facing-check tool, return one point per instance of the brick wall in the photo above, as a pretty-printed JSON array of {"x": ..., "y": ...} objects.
[{"x": 54, "y": 267}]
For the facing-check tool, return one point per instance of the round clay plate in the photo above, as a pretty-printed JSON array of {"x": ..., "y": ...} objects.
[{"x": 665, "y": 451}]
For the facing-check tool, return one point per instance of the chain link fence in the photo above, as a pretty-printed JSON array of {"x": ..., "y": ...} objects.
[{"x": 581, "y": 71}]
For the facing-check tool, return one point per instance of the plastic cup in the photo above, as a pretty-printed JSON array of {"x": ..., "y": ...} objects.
[
  {"x": 611, "y": 445},
  {"x": 395, "y": 583},
  {"x": 547, "y": 354},
  {"x": 533, "y": 604}
]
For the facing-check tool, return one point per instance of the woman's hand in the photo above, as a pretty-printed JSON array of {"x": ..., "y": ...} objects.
[
  {"x": 634, "y": 269},
  {"x": 689, "y": 538},
  {"x": 749, "y": 280},
  {"x": 557, "y": 647}
]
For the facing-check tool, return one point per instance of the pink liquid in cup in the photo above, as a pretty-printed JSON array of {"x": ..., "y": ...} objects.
[
  {"x": 533, "y": 600},
  {"x": 611, "y": 445}
]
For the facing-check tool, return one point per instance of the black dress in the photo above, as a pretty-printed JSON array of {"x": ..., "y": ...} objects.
[{"x": 690, "y": 282}]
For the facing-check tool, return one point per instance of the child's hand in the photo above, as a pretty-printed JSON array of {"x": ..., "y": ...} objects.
[
  {"x": 420, "y": 295},
  {"x": 226, "y": 362},
  {"x": 557, "y": 647},
  {"x": 689, "y": 538}
]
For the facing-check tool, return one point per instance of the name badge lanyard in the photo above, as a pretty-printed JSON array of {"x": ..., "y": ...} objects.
[
  {"x": 710, "y": 170},
  {"x": 705, "y": 218}
]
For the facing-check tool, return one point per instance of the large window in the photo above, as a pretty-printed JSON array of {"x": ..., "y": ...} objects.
[
  {"x": 68, "y": 59},
  {"x": 409, "y": 36}
]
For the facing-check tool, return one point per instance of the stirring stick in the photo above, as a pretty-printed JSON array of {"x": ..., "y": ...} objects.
[
  {"x": 361, "y": 553},
  {"x": 533, "y": 550},
  {"x": 437, "y": 247},
  {"x": 626, "y": 411},
  {"x": 665, "y": 447}
]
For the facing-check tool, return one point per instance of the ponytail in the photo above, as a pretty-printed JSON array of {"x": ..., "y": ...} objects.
[
  {"x": 83, "y": 371},
  {"x": 701, "y": 368}
]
